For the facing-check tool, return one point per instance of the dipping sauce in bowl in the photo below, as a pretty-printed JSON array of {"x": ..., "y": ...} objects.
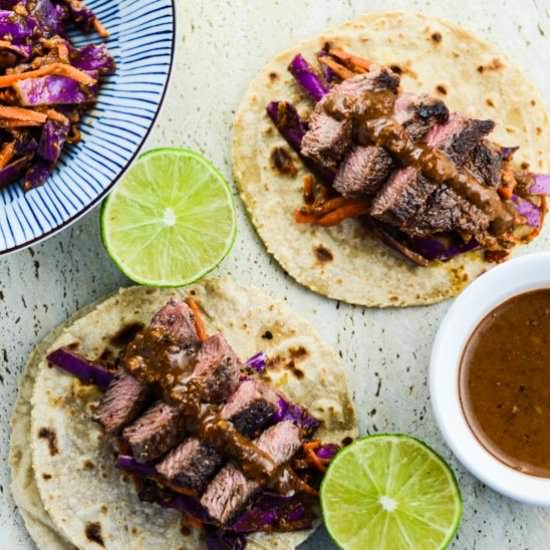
[{"x": 504, "y": 382}]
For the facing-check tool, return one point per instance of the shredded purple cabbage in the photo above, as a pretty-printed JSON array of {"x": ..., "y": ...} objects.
[
  {"x": 293, "y": 412},
  {"x": 218, "y": 539},
  {"x": 12, "y": 171},
  {"x": 442, "y": 247},
  {"x": 37, "y": 174},
  {"x": 52, "y": 139},
  {"x": 93, "y": 58},
  {"x": 287, "y": 120},
  {"x": 19, "y": 28},
  {"x": 507, "y": 152},
  {"x": 52, "y": 90},
  {"x": 132, "y": 466},
  {"x": 81, "y": 15},
  {"x": 271, "y": 510},
  {"x": 49, "y": 17},
  {"x": 258, "y": 362},
  {"x": 541, "y": 185},
  {"x": 327, "y": 451},
  {"x": 88, "y": 372},
  {"x": 530, "y": 211},
  {"x": 307, "y": 79}
]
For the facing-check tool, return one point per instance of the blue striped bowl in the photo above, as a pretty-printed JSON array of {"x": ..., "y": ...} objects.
[{"x": 142, "y": 35}]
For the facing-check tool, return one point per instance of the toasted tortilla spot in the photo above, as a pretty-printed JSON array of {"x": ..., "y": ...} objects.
[
  {"x": 46, "y": 477},
  {"x": 347, "y": 441},
  {"x": 494, "y": 65},
  {"x": 323, "y": 254},
  {"x": 298, "y": 353},
  {"x": 104, "y": 509},
  {"x": 441, "y": 89},
  {"x": 533, "y": 102},
  {"x": 50, "y": 436},
  {"x": 524, "y": 165},
  {"x": 437, "y": 37},
  {"x": 125, "y": 335},
  {"x": 298, "y": 373},
  {"x": 88, "y": 465},
  {"x": 489, "y": 102},
  {"x": 396, "y": 69},
  {"x": 282, "y": 162},
  {"x": 93, "y": 533},
  {"x": 273, "y": 75},
  {"x": 267, "y": 335},
  {"x": 538, "y": 130}
]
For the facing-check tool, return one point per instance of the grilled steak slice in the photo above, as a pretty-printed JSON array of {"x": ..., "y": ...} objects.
[
  {"x": 402, "y": 197},
  {"x": 420, "y": 207},
  {"x": 251, "y": 407},
  {"x": 154, "y": 433},
  {"x": 419, "y": 113},
  {"x": 330, "y": 126},
  {"x": 363, "y": 171},
  {"x": 218, "y": 369},
  {"x": 123, "y": 401},
  {"x": 485, "y": 162},
  {"x": 229, "y": 491},
  {"x": 327, "y": 139},
  {"x": 177, "y": 318},
  {"x": 191, "y": 464},
  {"x": 459, "y": 136}
]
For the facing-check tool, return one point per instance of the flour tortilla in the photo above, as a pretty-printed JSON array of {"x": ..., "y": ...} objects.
[
  {"x": 436, "y": 57},
  {"x": 76, "y": 480}
]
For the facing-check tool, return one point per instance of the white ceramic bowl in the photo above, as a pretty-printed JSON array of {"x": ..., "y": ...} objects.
[{"x": 483, "y": 295}]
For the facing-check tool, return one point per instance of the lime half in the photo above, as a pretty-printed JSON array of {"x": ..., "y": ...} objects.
[
  {"x": 170, "y": 220},
  {"x": 390, "y": 492}
]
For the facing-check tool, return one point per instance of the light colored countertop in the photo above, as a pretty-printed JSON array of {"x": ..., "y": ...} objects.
[{"x": 221, "y": 44}]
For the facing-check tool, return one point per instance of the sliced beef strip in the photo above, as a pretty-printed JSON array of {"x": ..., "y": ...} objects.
[
  {"x": 402, "y": 197},
  {"x": 159, "y": 429},
  {"x": 363, "y": 171},
  {"x": 459, "y": 136},
  {"x": 121, "y": 404},
  {"x": 330, "y": 135},
  {"x": 191, "y": 464},
  {"x": 420, "y": 207},
  {"x": 419, "y": 113},
  {"x": 251, "y": 407},
  {"x": 327, "y": 139},
  {"x": 486, "y": 163},
  {"x": 177, "y": 318},
  {"x": 230, "y": 490},
  {"x": 218, "y": 369}
]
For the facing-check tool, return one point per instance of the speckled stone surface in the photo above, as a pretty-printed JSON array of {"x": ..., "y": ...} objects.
[{"x": 221, "y": 45}]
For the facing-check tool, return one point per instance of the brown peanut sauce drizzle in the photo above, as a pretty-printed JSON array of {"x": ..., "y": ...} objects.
[
  {"x": 152, "y": 357},
  {"x": 376, "y": 125}
]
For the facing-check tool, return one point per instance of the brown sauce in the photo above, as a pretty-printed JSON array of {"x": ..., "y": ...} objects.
[{"x": 505, "y": 382}]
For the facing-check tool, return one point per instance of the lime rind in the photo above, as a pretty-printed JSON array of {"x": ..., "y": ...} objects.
[
  {"x": 358, "y": 497},
  {"x": 131, "y": 191}
]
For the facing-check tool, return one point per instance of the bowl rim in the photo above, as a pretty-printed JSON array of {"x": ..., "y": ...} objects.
[
  {"x": 519, "y": 275},
  {"x": 101, "y": 196}
]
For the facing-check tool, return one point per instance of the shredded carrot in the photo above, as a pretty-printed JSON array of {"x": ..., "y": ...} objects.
[
  {"x": 326, "y": 207},
  {"x": 100, "y": 29},
  {"x": 509, "y": 182},
  {"x": 309, "y": 189},
  {"x": 311, "y": 455},
  {"x": 353, "y": 210},
  {"x": 20, "y": 114},
  {"x": 63, "y": 52},
  {"x": 358, "y": 64},
  {"x": 199, "y": 323},
  {"x": 340, "y": 70},
  {"x": 58, "y": 69},
  {"x": 302, "y": 218},
  {"x": 52, "y": 114},
  {"x": 6, "y": 153}
]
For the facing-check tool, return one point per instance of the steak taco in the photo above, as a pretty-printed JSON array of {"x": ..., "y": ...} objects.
[
  {"x": 141, "y": 425},
  {"x": 392, "y": 159}
]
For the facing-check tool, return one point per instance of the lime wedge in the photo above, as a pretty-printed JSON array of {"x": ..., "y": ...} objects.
[
  {"x": 170, "y": 220},
  {"x": 390, "y": 492}
]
